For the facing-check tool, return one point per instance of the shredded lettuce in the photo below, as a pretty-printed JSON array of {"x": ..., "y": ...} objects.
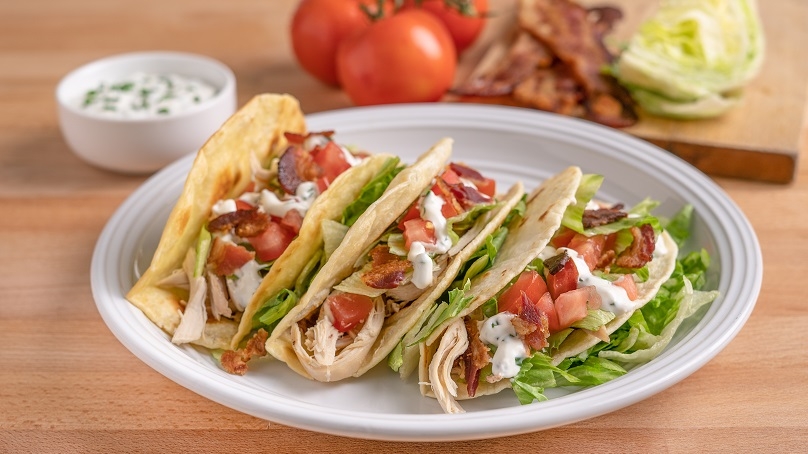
[
  {"x": 439, "y": 313},
  {"x": 274, "y": 309},
  {"x": 333, "y": 233},
  {"x": 203, "y": 244},
  {"x": 372, "y": 191},
  {"x": 691, "y": 59},
  {"x": 573, "y": 215}
]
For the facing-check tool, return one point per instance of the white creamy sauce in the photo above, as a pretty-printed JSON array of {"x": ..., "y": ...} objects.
[
  {"x": 419, "y": 252},
  {"x": 146, "y": 95},
  {"x": 659, "y": 247},
  {"x": 244, "y": 284},
  {"x": 350, "y": 158},
  {"x": 302, "y": 200},
  {"x": 499, "y": 331},
  {"x": 614, "y": 298},
  {"x": 223, "y": 207},
  {"x": 422, "y": 265},
  {"x": 547, "y": 252}
]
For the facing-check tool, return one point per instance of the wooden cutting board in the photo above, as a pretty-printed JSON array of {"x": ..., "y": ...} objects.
[{"x": 759, "y": 139}]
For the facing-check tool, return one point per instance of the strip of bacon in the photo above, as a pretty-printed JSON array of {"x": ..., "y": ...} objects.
[
  {"x": 235, "y": 361},
  {"x": 476, "y": 357},
  {"x": 387, "y": 275},
  {"x": 246, "y": 223},
  {"x": 603, "y": 216},
  {"x": 225, "y": 257},
  {"x": 641, "y": 250}
]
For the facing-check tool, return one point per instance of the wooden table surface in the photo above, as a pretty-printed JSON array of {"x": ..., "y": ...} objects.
[{"x": 68, "y": 385}]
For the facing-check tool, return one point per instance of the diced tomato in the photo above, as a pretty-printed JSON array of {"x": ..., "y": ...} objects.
[
  {"x": 331, "y": 160},
  {"x": 573, "y": 306},
  {"x": 450, "y": 177},
  {"x": 349, "y": 310},
  {"x": 530, "y": 283},
  {"x": 270, "y": 244},
  {"x": 292, "y": 220},
  {"x": 250, "y": 187},
  {"x": 484, "y": 185},
  {"x": 419, "y": 230},
  {"x": 487, "y": 186},
  {"x": 589, "y": 248},
  {"x": 451, "y": 207},
  {"x": 226, "y": 257},
  {"x": 243, "y": 205},
  {"x": 412, "y": 213},
  {"x": 546, "y": 306},
  {"x": 467, "y": 196},
  {"x": 564, "y": 280},
  {"x": 628, "y": 284},
  {"x": 322, "y": 184},
  {"x": 562, "y": 237}
]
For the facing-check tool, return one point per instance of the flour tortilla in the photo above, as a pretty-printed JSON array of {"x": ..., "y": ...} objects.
[
  {"x": 223, "y": 169},
  {"x": 542, "y": 219}
]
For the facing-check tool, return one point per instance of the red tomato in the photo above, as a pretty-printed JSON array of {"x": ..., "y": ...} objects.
[
  {"x": 484, "y": 185},
  {"x": 564, "y": 280},
  {"x": 292, "y": 220},
  {"x": 529, "y": 282},
  {"x": 464, "y": 28},
  {"x": 574, "y": 305},
  {"x": 589, "y": 248},
  {"x": 270, "y": 244},
  {"x": 628, "y": 284},
  {"x": 450, "y": 177},
  {"x": 243, "y": 205},
  {"x": 405, "y": 57},
  {"x": 349, "y": 310},
  {"x": 331, "y": 160},
  {"x": 562, "y": 237},
  {"x": 451, "y": 207},
  {"x": 546, "y": 305},
  {"x": 225, "y": 257},
  {"x": 412, "y": 213},
  {"x": 318, "y": 27},
  {"x": 418, "y": 230}
]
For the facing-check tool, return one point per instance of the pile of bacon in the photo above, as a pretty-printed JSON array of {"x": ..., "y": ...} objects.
[{"x": 554, "y": 63}]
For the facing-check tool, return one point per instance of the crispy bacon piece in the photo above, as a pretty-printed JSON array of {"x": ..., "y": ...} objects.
[
  {"x": 574, "y": 35},
  {"x": 225, "y": 257},
  {"x": 641, "y": 250},
  {"x": 387, "y": 270},
  {"x": 553, "y": 90},
  {"x": 296, "y": 166},
  {"x": 476, "y": 356},
  {"x": 235, "y": 361},
  {"x": 532, "y": 324},
  {"x": 524, "y": 56},
  {"x": 246, "y": 223},
  {"x": 603, "y": 216}
]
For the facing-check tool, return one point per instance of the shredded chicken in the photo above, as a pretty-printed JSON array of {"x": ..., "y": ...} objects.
[
  {"x": 178, "y": 278},
  {"x": 453, "y": 344},
  {"x": 192, "y": 324},
  {"x": 345, "y": 362},
  {"x": 219, "y": 303}
]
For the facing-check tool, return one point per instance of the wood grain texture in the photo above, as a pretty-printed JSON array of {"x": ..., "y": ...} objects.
[{"x": 67, "y": 385}]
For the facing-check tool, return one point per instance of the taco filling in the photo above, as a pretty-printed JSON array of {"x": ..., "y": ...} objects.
[
  {"x": 399, "y": 268},
  {"x": 246, "y": 233}
]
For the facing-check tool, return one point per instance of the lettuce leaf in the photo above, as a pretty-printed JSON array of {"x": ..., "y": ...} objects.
[
  {"x": 274, "y": 309},
  {"x": 372, "y": 191},
  {"x": 458, "y": 300}
]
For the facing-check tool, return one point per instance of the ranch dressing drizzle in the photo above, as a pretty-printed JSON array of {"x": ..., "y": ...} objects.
[
  {"x": 499, "y": 331},
  {"x": 302, "y": 200},
  {"x": 146, "y": 95},
  {"x": 419, "y": 252},
  {"x": 614, "y": 298}
]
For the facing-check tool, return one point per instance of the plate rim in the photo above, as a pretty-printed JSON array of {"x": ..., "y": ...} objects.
[{"x": 440, "y": 427}]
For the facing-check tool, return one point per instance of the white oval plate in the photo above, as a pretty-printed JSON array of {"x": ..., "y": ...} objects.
[{"x": 507, "y": 144}]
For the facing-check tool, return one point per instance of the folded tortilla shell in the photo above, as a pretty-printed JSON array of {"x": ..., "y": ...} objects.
[{"x": 220, "y": 170}]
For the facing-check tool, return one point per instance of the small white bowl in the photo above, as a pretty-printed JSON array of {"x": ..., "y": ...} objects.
[{"x": 143, "y": 145}]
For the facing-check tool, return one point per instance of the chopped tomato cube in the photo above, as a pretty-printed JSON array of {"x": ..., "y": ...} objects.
[
  {"x": 530, "y": 283},
  {"x": 450, "y": 177},
  {"x": 243, "y": 205},
  {"x": 546, "y": 306},
  {"x": 292, "y": 220},
  {"x": 331, "y": 160},
  {"x": 589, "y": 248},
  {"x": 226, "y": 257},
  {"x": 419, "y": 230},
  {"x": 451, "y": 207},
  {"x": 574, "y": 305},
  {"x": 349, "y": 310},
  {"x": 484, "y": 185},
  {"x": 562, "y": 237},
  {"x": 628, "y": 284},
  {"x": 412, "y": 213},
  {"x": 272, "y": 242},
  {"x": 487, "y": 186},
  {"x": 564, "y": 280}
]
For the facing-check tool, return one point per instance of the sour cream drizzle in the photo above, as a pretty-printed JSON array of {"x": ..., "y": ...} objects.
[
  {"x": 614, "y": 298},
  {"x": 419, "y": 252},
  {"x": 498, "y": 330},
  {"x": 302, "y": 200}
]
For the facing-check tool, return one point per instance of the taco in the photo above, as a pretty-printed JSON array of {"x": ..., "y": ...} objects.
[
  {"x": 394, "y": 262},
  {"x": 569, "y": 276},
  {"x": 247, "y": 222}
]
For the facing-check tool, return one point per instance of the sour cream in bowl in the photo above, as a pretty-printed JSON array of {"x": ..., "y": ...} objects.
[{"x": 137, "y": 112}]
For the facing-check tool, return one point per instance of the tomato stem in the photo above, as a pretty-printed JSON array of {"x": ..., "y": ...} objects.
[{"x": 378, "y": 13}]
